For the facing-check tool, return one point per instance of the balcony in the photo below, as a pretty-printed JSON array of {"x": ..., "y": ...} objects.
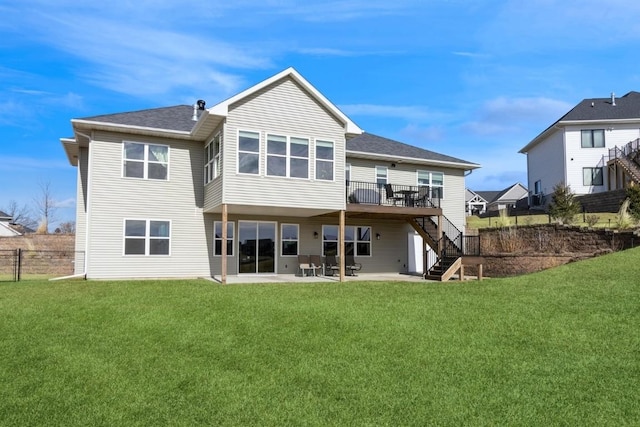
[{"x": 396, "y": 195}]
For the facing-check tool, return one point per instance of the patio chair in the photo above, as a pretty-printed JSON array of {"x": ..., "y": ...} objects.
[
  {"x": 422, "y": 199},
  {"x": 316, "y": 264},
  {"x": 331, "y": 265},
  {"x": 391, "y": 195},
  {"x": 304, "y": 264},
  {"x": 351, "y": 265}
]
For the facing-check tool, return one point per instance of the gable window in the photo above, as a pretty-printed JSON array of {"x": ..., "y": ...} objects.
[
  {"x": 287, "y": 156},
  {"x": 249, "y": 152},
  {"x": 357, "y": 240},
  {"x": 217, "y": 238},
  {"x": 592, "y": 138},
  {"x": 434, "y": 181},
  {"x": 212, "y": 159},
  {"x": 289, "y": 234},
  {"x": 146, "y": 237},
  {"x": 146, "y": 161},
  {"x": 592, "y": 176},
  {"x": 324, "y": 160}
]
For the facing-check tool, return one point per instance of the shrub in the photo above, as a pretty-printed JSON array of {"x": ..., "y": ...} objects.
[
  {"x": 624, "y": 219},
  {"x": 633, "y": 195},
  {"x": 564, "y": 206},
  {"x": 592, "y": 220}
]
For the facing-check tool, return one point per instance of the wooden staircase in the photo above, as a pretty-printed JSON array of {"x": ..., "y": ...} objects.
[
  {"x": 448, "y": 245},
  {"x": 628, "y": 159}
]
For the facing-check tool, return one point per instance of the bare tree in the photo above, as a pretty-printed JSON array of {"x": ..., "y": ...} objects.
[
  {"x": 67, "y": 227},
  {"x": 45, "y": 207},
  {"x": 20, "y": 214}
]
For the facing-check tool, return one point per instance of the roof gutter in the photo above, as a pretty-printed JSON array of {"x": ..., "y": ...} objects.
[{"x": 402, "y": 159}]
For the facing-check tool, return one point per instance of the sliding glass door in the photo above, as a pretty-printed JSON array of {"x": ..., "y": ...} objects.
[{"x": 257, "y": 242}]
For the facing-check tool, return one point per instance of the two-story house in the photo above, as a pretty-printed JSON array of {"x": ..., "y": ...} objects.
[
  {"x": 592, "y": 148},
  {"x": 244, "y": 187}
]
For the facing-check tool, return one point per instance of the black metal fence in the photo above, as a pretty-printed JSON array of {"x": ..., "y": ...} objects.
[{"x": 21, "y": 264}]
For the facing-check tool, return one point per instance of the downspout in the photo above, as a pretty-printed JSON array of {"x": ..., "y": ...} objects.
[{"x": 88, "y": 207}]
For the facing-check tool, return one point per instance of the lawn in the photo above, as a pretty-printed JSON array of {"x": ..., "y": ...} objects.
[
  {"x": 603, "y": 220},
  {"x": 559, "y": 347}
]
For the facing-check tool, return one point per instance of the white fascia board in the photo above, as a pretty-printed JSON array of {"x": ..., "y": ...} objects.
[
  {"x": 71, "y": 148},
  {"x": 603, "y": 121},
  {"x": 222, "y": 109},
  {"x": 538, "y": 139},
  {"x": 133, "y": 129},
  {"x": 413, "y": 160}
]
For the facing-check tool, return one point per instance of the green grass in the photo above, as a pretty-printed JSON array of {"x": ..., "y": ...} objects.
[
  {"x": 560, "y": 347},
  {"x": 605, "y": 220}
]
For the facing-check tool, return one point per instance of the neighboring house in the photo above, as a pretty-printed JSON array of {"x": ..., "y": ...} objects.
[
  {"x": 504, "y": 199},
  {"x": 245, "y": 186},
  {"x": 593, "y": 148},
  {"x": 8, "y": 228},
  {"x": 475, "y": 203}
]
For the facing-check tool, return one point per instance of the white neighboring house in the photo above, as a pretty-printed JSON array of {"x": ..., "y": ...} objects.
[
  {"x": 476, "y": 204},
  {"x": 591, "y": 148},
  {"x": 244, "y": 187},
  {"x": 6, "y": 227}
]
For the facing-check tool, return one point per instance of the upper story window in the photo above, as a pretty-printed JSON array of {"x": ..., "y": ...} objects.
[
  {"x": 433, "y": 180},
  {"x": 287, "y": 157},
  {"x": 381, "y": 175},
  {"x": 249, "y": 152},
  {"x": 324, "y": 160},
  {"x": 146, "y": 161},
  {"x": 212, "y": 158},
  {"x": 592, "y": 138},
  {"x": 592, "y": 176},
  {"x": 146, "y": 237}
]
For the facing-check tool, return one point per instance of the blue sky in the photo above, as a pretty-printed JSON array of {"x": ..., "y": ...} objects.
[{"x": 472, "y": 79}]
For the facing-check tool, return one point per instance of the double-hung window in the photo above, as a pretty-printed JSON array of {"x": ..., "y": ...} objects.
[
  {"x": 147, "y": 237},
  {"x": 249, "y": 152},
  {"x": 289, "y": 236},
  {"x": 212, "y": 159},
  {"x": 288, "y": 157},
  {"x": 592, "y": 176},
  {"x": 592, "y": 138},
  {"x": 324, "y": 160},
  {"x": 381, "y": 175},
  {"x": 433, "y": 180},
  {"x": 217, "y": 238},
  {"x": 146, "y": 161}
]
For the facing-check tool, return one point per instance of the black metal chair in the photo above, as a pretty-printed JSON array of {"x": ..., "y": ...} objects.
[
  {"x": 351, "y": 265},
  {"x": 331, "y": 265},
  {"x": 388, "y": 188}
]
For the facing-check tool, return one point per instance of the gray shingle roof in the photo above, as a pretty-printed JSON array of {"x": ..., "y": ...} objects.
[
  {"x": 4, "y": 215},
  {"x": 176, "y": 118},
  {"x": 489, "y": 196},
  {"x": 374, "y": 144},
  {"x": 627, "y": 107}
]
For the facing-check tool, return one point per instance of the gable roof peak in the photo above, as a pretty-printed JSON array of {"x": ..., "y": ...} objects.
[{"x": 222, "y": 108}]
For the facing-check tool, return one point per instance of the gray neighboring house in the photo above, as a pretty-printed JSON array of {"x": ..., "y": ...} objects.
[
  {"x": 593, "y": 148},
  {"x": 245, "y": 186},
  {"x": 508, "y": 198}
]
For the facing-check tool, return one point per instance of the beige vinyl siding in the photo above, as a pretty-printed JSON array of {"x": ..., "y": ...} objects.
[
  {"x": 81, "y": 209},
  {"x": 114, "y": 199},
  {"x": 213, "y": 190},
  {"x": 389, "y": 254},
  {"x": 283, "y": 108}
]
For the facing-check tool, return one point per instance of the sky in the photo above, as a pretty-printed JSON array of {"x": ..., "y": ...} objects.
[{"x": 472, "y": 79}]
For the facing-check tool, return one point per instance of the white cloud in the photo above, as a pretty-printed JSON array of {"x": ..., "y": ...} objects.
[{"x": 66, "y": 203}]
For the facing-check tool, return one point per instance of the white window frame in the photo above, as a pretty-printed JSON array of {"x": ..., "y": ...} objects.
[
  {"x": 258, "y": 153},
  {"x": 355, "y": 240},
  {"x": 229, "y": 238},
  {"x": 318, "y": 161},
  {"x": 593, "y": 174},
  {"x": 283, "y": 239},
  {"x": 145, "y": 160},
  {"x": 592, "y": 140},
  {"x": 212, "y": 158},
  {"x": 430, "y": 184},
  {"x": 288, "y": 156},
  {"x": 147, "y": 237},
  {"x": 380, "y": 177}
]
